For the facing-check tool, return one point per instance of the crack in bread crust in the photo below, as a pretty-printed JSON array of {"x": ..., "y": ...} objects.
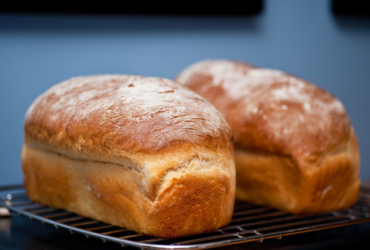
[
  {"x": 129, "y": 164},
  {"x": 189, "y": 194}
]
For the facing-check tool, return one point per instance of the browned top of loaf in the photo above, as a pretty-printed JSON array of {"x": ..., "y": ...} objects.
[
  {"x": 271, "y": 111},
  {"x": 106, "y": 114}
]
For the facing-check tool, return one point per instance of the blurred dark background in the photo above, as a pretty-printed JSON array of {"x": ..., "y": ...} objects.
[{"x": 326, "y": 42}]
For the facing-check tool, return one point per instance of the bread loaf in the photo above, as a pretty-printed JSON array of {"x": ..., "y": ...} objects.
[
  {"x": 295, "y": 147},
  {"x": 142, "y": 153}
]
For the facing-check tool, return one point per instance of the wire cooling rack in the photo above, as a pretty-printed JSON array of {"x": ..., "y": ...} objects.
[{"x": 249, "y": 223}]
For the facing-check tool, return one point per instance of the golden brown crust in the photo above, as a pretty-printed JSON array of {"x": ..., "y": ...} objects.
[
  {"x": 95, "y": 146},
  {"x": 269, "y": 110},
  {"x": 91, "y": 189},
  {"x": 100, "y": 116},
  {"x": 287, "y": 135},
  {"x": 197, "y": 197},
  {"x": 270, "y": 179}
]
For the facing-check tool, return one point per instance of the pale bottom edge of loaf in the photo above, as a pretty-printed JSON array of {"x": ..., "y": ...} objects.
[
  {"x": 275, "y": 181},
  {"x": 111, "y": 193}
]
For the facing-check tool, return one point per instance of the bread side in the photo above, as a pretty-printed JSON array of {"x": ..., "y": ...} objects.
[
  {"x": 197, "y": 196},
  {"x": 102, "y": 161},
  {"x": 277, "y": 181},
  {"x": 287, "y": 135},
  {"x": 103, "y": 191}
]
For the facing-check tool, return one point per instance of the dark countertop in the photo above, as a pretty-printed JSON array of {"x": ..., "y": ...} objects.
[{"x": 21, "y": 233}]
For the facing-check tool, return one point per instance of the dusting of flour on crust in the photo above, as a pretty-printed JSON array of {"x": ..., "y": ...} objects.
[
  {"x": 290, "y": 110},
  {"x": 139, "y": 112}
]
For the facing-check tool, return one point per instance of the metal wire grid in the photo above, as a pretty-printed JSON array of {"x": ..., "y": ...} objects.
[{"x": 249, "y": 223}]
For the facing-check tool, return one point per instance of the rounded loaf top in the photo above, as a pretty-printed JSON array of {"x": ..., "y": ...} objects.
[
  {"x": 105, "y": 114},
  {"x": 271, "y": 111}
]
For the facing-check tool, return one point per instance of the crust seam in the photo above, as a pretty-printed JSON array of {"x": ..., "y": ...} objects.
[{"x": 85, "y": 160}]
